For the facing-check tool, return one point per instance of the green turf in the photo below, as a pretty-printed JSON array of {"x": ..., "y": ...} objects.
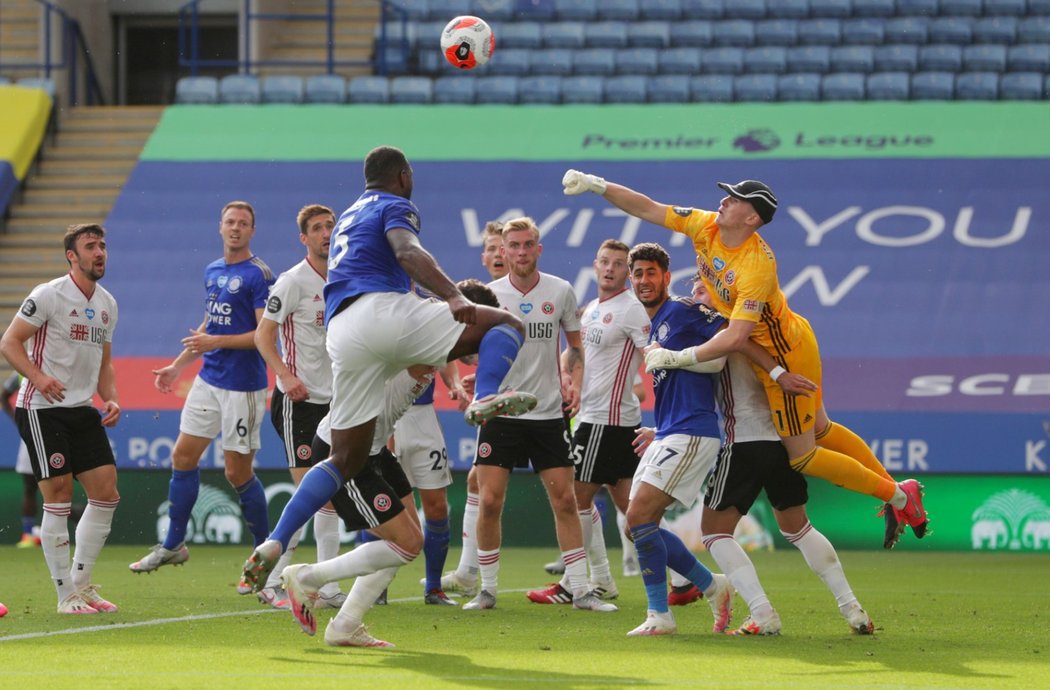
[{"x": 945, "y": 620}]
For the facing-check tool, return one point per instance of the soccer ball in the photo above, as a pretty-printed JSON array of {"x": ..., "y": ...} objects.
[{"x": 467, "y": 42}]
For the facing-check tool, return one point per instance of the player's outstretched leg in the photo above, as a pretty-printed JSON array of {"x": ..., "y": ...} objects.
[{"x": 261, "y": 563}]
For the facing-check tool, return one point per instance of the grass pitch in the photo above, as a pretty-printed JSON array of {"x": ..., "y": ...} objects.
[{"x": 945, "y": 620}]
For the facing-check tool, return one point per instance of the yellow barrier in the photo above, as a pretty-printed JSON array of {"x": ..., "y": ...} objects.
[{"x": 23, "y": 120}]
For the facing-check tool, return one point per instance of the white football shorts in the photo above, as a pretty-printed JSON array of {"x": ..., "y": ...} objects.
[
  {"x": 419, "y": 446},
  {"x": 238, "y": 415},
  {"x": 678, "y": 465}
]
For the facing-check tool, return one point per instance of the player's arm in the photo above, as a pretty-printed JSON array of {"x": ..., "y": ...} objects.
[
  {"x": 165, "y": 376},
  {"x": 421, "y": 267},
  {"x": 13, "y": 347},
  {"x": 572, "y": 372},
  {"x": 727, "y": 340},
  {"x": 795, "y": 384},
  {"x": 266, "y": 343},
  {"x": 451, "y": 377},
  {"x": 624, "y": 198},
  {"x": 107, "y": 387}
]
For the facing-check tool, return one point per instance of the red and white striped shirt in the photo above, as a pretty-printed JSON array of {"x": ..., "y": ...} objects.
[
  {"x": 613, "y": 331},
  {"x": 296, "y": 303}
]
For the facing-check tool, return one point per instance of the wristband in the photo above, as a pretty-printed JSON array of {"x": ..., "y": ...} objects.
[{"x": 776, "y": 372}]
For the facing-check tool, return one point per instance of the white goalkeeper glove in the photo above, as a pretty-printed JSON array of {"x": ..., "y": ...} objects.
[
  {"x": 576, "y": 182},
  {"x": 668, "y": 359}
]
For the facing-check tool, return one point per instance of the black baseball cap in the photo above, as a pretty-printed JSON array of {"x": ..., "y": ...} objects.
[{"x": 756, "y": 193}]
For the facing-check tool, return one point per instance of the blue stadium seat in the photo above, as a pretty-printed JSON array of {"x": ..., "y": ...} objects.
[
  {"x": 788, "y": 9},
  {"x": 669, "y": 88},
  {"x": 396, "y": 61},
  {"x": 240, "y": 88},
  {"x": 819, "y": 32},
  {"x": 494, "y": 10},
  {"x": 680, "y": 61},
  {"x": 769, "y": 60},
  {"x": 1034, "y": 30},
  {"x": 809, "y": 59},
  {"x": 582, "y": 89},
  {"x": 1038, "y": 7},
  {"x": 995, "y": 30},
  {"x": 499, "y": 90},
  {"x": 694, "y": 34},
  {"x": 412, "y": 90},
  {"x": 896, "y": 58},
  {"x": 962, "y": 8},
  {"x": 197, "y": 91},
  {"x": 755, "y": 88},
  {"x": 367, "y": 89},
  {"x": 830, "y": 8},
  {"x": 626, "y": 89},
  {"x": 534, "y": 10},
  {"x": 606, "y": 35},
  {"x": 865, "y": 31},
  {"x": 447, "y": 9},
  {"x": 977, "y": 86},
  {"x": 1028, "y": 58},
  {"x": 776, "y": 32},
  {"x": 558, "y": 62},
  {"x": 911, "y": 30},
  {"x": 427, "y": 36},
  {"x": 738, "y": 33},
  {"x": 940, "y": 58},
  {"x": 932, "y": 86},
  {"x": 457, "y": 89},
  {"x": 745, "y": 9},
  {"x": 539, "y": 90},
  {"x": 799, "y": 87},
  {"x": 326, "y": 88},
  {"x": 984, "y": 58},
  {"x": 643, "y": 61},
  {"x": 722, "y": 61},
  {"x": 282, "y": 89},
  {"x": 595, "y": 61},
  {"x": 510, "y": 62},
  {"x": 842, "y": 87},
  {"x": 888, "y": 86},
  {"x": 853, "y": 59},
  {"x": 954, "y": 30},
  {"x": 917, "y": 8},
  {"x": 703, "y": 9},
  {"x": 563, "y": 35},
  {"x": 648, "y": 34},
  {"x": 415, "y": 10},
  {"x": 618, "y": 10},
  {"x": 711, "y": 88},
  {"x": 519, "y": 35},
  {"x": 874, "y": 8},
  {"x": 1021, "y": 86},
  {"x": 576, "y": 10},
  {"x": 661, "y": 10}
]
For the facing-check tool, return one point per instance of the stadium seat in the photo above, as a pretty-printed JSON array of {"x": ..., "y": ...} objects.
[
  {"x": 952, "y": 30},
  {"x": 576, "y": 10},
  {"x": 1034, "y": 30},
  {"x": 197, "y": 91},
  {"x": 962, "y": 8},
  {"x": 798, "y": 87},
  {"x": 648, "y": 34},
  {"x": 1028, "y": 58},
  {"x": 712, "y": 88},
  {"x": 510, "y": 62},
  {"x": 788, "y": 9},
  {"x": 594, "y": 61},
  {"x": 874, "y": 8},
  {"x": 455, "y": 89},
  {"x": 582, "y": 89},
  {"x": 865, "y": 31},
  {"x": 494, "y": 10},
  {"x": 911, "y": 30},
  {"x": 495, "y": 89},
  {"x": 366, "y": 89},
  {"x": 819, "y": 32},
  {"x": 240, "y": 88},
  {"x": 738, "y": 33},
  {"x": 809, "y": 59},
  {"x": 1038, "y": 7},
  {"x": 984, "y": 58},
  {"x": 642, "y": 61},
  {"x": 447, "y": 9},
  {"x": 695, "y": 34},
  {"x": 842, "y": 87},
  {"x": 745, "y": 9},
  {"x": 853, "y": 59},
  {"x": 626, "y": 89},
  {"x": 669, "y": 88},
  {"x": 896, "y": 58},
  {"x": 282, "y": 89},
  {"x": 932, "y": 86},
  {"x": 755, "y": 88},
  {"x": 1021, "y": 86},
  {"x": 830, "y": 8},
  {"x": 999, "y": 8},
  {"x": 539, "y": 90},
  {"x": 427, "y": 35},
  {"x": 940, "y": 58},
  {"x": 415, "y": 10},
  {"x": 534, "y": 10},
  {"x": 722, "y": 61},
  {"x": 519, "y": 35},
  {"x": 563, "y": 35},
  {"x": 660, "y": 10},
  {"x": 917, "y": 8},
  {"x": 776, "y": 32},
  {"x": 411, "y": 90},
  {"x": 326, "y": 88},
  {"x": 768, "y": 60},
  {"x": 558, "y": 62},
  {"x": 703, "y": 9},
  {"x": 393, "y": 60},
  {"x": 995, "y": 30},
  {"x": 977, "y": 86},
  {"x": 680, "y": 61},
  {"x": 888, "y": 86},
  {"x": 618, "y": 10},
  {"x": 434, "y": 62},
  {"x": 606, "y": 35}
]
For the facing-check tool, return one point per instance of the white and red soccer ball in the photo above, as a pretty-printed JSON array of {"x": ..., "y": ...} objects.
[{"x": 467, "y": 42}]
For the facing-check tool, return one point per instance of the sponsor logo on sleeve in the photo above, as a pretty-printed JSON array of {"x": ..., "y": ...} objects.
[
  {"x": 413, "y": 220},
  {"x": 752, "y": 305},
  {"x": 273, "y": 305},
  {"x": 28, "y": 307},
  {"x": 683, "y": 211}
]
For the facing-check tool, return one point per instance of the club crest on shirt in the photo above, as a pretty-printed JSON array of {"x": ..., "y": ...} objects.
[
  {"x": 57, "y": 460},
  {"x": 662, "y": 331},
  {"x": 235, "y": 284},
  {"x": 547, "y": 308},
  {"x": 525, "y": 307},
  {"x": 28, "y": 307},
  {"x": 730, "y": 277},
  {"x": 105, "y": 317},
  {"x": 607, "y": 319}
]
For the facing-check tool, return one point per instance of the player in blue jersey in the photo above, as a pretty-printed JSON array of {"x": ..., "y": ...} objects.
[
  {"x": 678, "y": 460},
  {"x": 229, "y": 393},
  {"x": 377, "y": 327}
]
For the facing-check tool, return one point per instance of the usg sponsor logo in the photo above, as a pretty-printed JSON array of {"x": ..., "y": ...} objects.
[{"x": 1014, "y": 520}]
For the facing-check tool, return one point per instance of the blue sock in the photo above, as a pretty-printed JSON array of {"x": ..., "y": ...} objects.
[
  {"x": 435, "y": 550},
  {"x": 253, "y": 508},
  {"x": 316, "y": 489},
  {"x": 496, "y": 353},
  {"x": 652, "y": 557},
  {"x": 28, "y": 523},
  {"x": 182, "y": 494},
  {"x": 681, "y": 560}
]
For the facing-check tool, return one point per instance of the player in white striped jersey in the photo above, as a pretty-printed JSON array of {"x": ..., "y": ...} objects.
[
  {"x": 295, "y": 315},
  {"x": 60, "y": 341}
]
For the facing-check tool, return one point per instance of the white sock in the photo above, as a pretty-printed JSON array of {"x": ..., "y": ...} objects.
[
  {"x": 576, "y": 571},
  {"x": 92, "y": 531},
  {"x": 364, "y": 560},
  {"x": 361, "y": 597},
  {"x": 741, "y": 572},
  {"x": 54, "y": 539},
  {"x": 326, "y": 534},
  {"x": 900, "y": 499},
  {"x": 468, "y": 558},
  {"x": 274, "y": 580},
  {"x": 821, "y": 557},
  {"x": 629, "y": 552},
  {"x": 594, "y": 541},
  {"x": 488, "y": 562}
]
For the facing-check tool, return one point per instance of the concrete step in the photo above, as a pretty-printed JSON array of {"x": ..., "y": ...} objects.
[
  {"x": 73, "y": 182},
  {"x": 49, "y": 242},
  {"x": 102, "y": 125},
  {"x": 102, "y": 138},
  {"x": 70, "y": 213},
  {"x": 94, "y": 197},
  {"x": 118, "y": 112},
  {"x": 93, "y": 153},
  {"x": 85, "y": 168},
  {"x": 29, "y": 226}
]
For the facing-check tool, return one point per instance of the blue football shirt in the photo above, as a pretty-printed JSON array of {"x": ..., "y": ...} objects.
[{"x": 234, "y": 292}]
